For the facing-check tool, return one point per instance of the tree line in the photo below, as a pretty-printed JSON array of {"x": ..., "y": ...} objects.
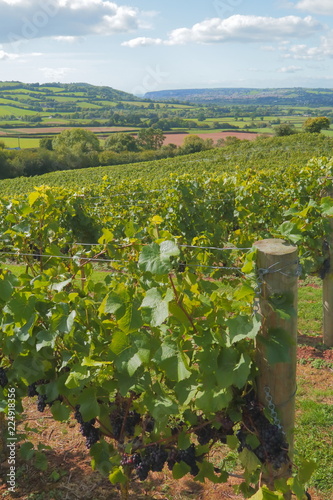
[{"x": 79, "y": 148}]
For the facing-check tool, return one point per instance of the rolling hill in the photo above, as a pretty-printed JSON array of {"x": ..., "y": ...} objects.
[{"x": 255, "y": 96}]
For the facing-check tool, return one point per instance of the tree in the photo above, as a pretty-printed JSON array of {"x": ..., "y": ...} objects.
[
  {"x": 46, "y": 143},
  {"x": 315, "y": 125},
  {"x": 79, "y": 139},
  {"x": 194, "y": 144},
  {"x": 151, "y": 138},
  {"x": 284, "y": 129},
  {"x": 121, "y": 142},
  {"x": 5, "y": 167}
]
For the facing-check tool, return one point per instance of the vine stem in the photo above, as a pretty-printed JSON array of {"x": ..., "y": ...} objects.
[
  {"x": 124, "y": 491},
  {"x": 180, "y": 305}
]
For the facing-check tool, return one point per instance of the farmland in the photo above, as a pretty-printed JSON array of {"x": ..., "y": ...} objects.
[
  {"x": 128, "y": 296},
  {"x": 82, "y": 105},
  {"x": 222, "y": 197}
]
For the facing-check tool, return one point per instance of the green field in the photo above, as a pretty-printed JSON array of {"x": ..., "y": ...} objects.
[{"x": 23, "y": 143}]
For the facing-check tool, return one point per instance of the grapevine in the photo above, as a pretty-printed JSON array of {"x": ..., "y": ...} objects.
[{"x": 157, "y": 357}]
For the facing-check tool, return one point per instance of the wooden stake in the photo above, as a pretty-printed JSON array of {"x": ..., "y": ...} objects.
[{"x": 276, "y": 383}]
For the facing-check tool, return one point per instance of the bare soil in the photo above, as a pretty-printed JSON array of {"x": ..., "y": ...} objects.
[
  {"x": 178, "y": 139},
  {"x": 170, "y": 138},
  {"x": 58, "y": 130}
]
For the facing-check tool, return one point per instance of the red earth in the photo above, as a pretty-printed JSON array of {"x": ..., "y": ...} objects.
[
  {"x": 170, "y": 137},
  {"x": 178, "y": 139}
]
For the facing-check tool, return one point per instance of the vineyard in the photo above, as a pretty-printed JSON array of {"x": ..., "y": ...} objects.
[{"x": 156, "y": 358}]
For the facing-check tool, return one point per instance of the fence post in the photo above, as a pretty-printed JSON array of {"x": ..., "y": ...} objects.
[{"x": 277, "y": 266}]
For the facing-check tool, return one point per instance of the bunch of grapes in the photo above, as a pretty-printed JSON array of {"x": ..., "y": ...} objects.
[
  {"x": 123, "y": 422},
  {"x": 205, "y": 432},
  {"x": 152, "y": 459},
  {"x": 41, "y": 402},
  {"x": 272, "y": 448},
  {"x": 87, "y": 429},
  {"x": 3, "y": 377},
  {"x": 32, "y": 390},
  {"x": 188, "y": 456}
]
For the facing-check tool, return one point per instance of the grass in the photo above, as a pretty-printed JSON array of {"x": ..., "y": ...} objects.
[
  {"x": 13, "y": 142},
  {"x": 310, "y": 307},
  {"x": 313, "y": 440}
]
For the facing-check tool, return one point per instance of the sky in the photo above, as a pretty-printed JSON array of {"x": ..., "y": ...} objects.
[{"x": 140, "y": 46}]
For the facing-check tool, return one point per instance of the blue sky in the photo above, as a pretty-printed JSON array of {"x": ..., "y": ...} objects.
[{"x": 146, "y": 45}]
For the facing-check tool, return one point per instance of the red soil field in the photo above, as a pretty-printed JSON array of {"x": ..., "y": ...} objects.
[
  {"x": 58, "y": 130},
  {"x": 178, "y": 139},
  {"x": 173, "y": 138}
]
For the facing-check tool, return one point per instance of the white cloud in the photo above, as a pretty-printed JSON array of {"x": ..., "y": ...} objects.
[
  {"x": 7, "y": 56},
  {"x": 290, "y": 69},
  {"x": 324, "y": 7},
  {"x": 322, "y": 51},
  {"x": 23, "y": 19},
  {"x": 56, "y": 74},
  {"x": 68, "y": 39},
  {"x": 142, "y": 41},
  {"x": 238, "y": 28}
]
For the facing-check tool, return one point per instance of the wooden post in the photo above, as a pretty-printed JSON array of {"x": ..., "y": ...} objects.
[
  {"x": 276, "y": 382},
  {"x": 328, "y": 284}
]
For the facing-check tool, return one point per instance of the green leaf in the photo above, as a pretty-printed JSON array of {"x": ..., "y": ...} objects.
[
  {"x": 117, "y": 476},
  {"x": 180, "y": 470},
  {"x": 277, "y": 345},
  {"x": 211, "y": 401},
  {"x": 45, "y": 339},
  {"x": 242, "y": 327},
  {"x": 227, "y": 362},
  {"x": 76, "y": 377},
  {"x": 40, "y": 461},
  {"x": 291, "y": 231},
  {"x": 89, "y": 407},
  {"x": 119, "y": 342},
  {"x": 58, "y": 287},
  {"x": 92, "y": 362},
  {"x": 252, "y": 441},
  {"x": 245, "y": 292},
  {"x": 131, "y": 321},
  {"x": 305, "y": 470},
  {"x": 327, "y": 206},
  {"x": 296, "y": 487},
  {"x": 184, "y": 441},
  {"x": 6, "y": 289},
  {"x": 232, "y": 442},
  {"x": 265, "y": 494},
  {"x": 27, "y": 450},
  {"x": 59, "y": 411},
  {"x": 64, "y": 322},
  {"x": 106, "y": 237},
  {"x": 101, "y": 453},
  {"x": 115, "y": 300},
  {"x": 207, "y": 471},
  {"x": 159, "y": 307},
  {"x": 249, "y": 461},
  {"x": 155, "y": 258},
  {"x": 172, "y": 362}
]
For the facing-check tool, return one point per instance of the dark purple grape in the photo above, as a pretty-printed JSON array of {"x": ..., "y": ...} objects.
[
  {"x": 41, "y": 402},
  {"x": 3, "y": 377}
]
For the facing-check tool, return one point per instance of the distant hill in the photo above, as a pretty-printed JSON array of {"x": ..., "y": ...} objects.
[
  {"x": 24, "y": 99},
  {"x": 226, "y": 96}
]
